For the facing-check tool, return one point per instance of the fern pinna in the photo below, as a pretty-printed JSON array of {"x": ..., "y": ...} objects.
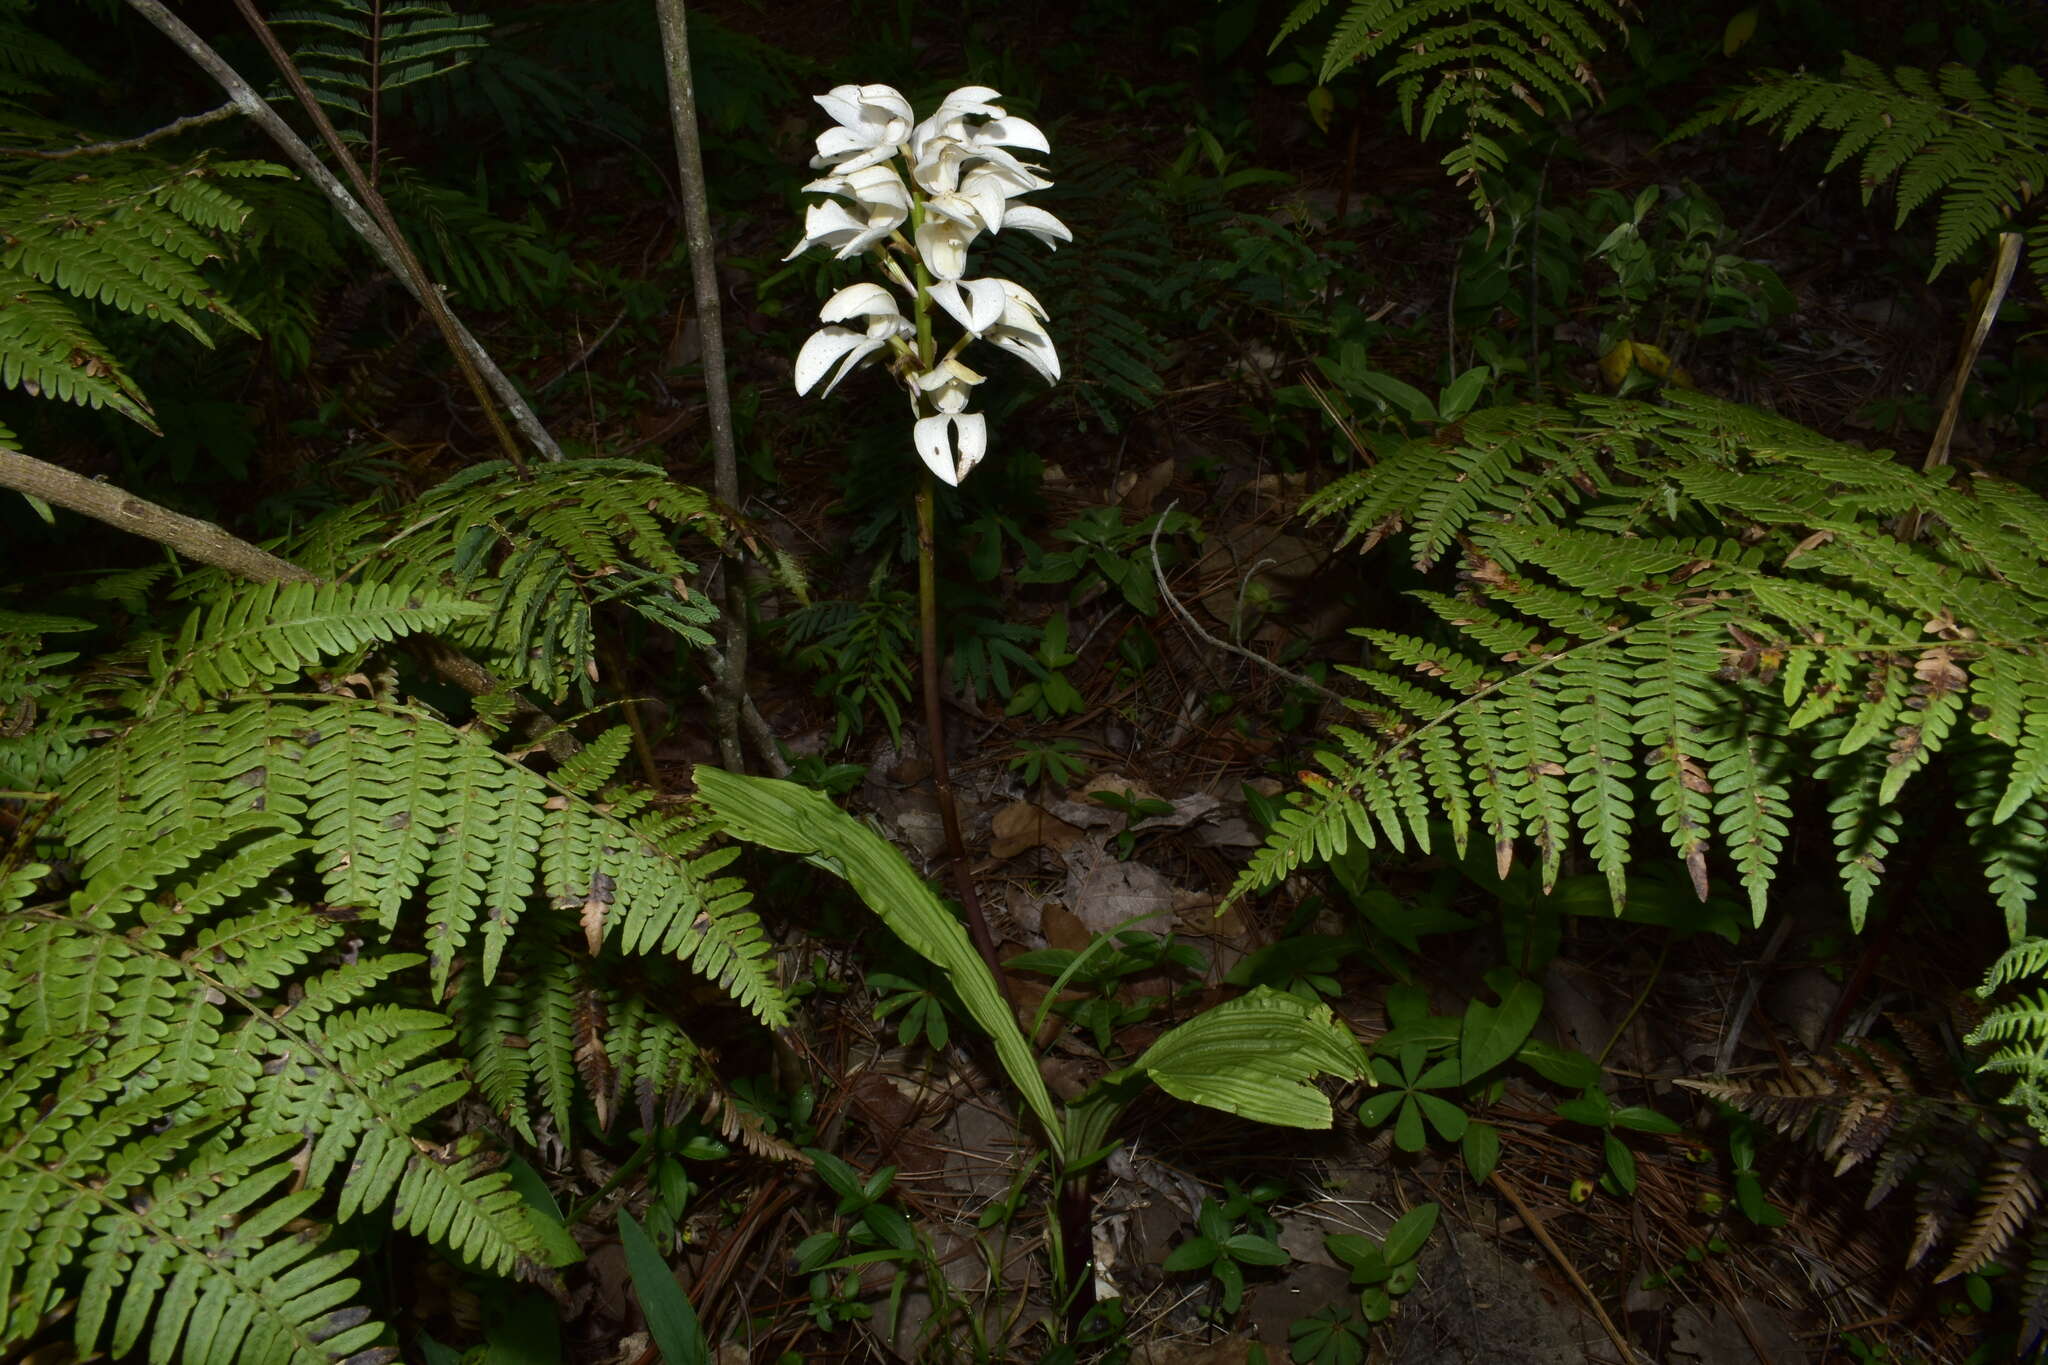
[
  {"x": 543, "y": 554},
  {"x": 1981, "y": 150},
  {"x": 201, "y": 1065},
  {"x": 1667, "y": 613}
]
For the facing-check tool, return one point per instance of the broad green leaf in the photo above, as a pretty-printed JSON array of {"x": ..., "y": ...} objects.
[
  {"x": 793, "y": 819},
  {"x": 1559, "y": 1065},
  {"x": 1409, "y": 1135},
  {"x": 671, "y": 1321},
  {"x": 1410, "y": 1231},
  {"x": 1252, "y": 1249},
  {"x": 1492, "y": 1034},
  {"x": 1644, "y": 1120},
  {"x": 1447, "y": 1118},
  {"x": 1192, "y": 1254},
  {"x": 1255, "y": 1056},
  {"x": 1481, "y": 1146},
  {"x": 1622, "y": 1162}
]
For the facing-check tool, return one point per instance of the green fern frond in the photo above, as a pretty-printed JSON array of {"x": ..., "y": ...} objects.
[
  {"x": 1592, "y": 670},
  {"x": 362, "y": 50},
  {"x": 268, "y": 633},
  {"x": 543, "y": 555},
  {"x": 1983, "y": 153},
  {"x": 1495, "y": 62},
  {"x": 403, "y": 809}
]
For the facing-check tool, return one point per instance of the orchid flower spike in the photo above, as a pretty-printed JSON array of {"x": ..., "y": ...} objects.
[{"x": 948, "y": 179}]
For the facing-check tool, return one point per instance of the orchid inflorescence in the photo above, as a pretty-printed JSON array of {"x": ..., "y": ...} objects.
[{"x": 963, "y": 180}]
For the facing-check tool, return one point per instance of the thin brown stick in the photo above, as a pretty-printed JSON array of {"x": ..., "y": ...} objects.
[
  {"x": 1996, "y": 285},
  {"x": 248, "y": 101},
  {"x": 1535, "y": 1225},
  {"x": 421, "y": 284},
  {"x": 189, "y": 536},
  {"x": 127, "y": 144},
  {"x": 1188, "y": 619},
  {"x": 209, "y": 544},
  {"x": 682, "y": 109}
]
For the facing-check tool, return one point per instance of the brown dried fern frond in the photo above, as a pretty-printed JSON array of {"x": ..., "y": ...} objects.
[{"x": 2007, "y": 1201}]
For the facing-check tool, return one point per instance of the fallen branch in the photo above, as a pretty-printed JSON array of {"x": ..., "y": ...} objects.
[
  {"x": 1571, "y": 1272},
  {"x": 189, "y": 536},
  {"x": 209, "y": 544}
]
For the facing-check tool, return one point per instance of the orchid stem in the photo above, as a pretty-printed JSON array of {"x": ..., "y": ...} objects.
[{"x": 935, "y": 734}]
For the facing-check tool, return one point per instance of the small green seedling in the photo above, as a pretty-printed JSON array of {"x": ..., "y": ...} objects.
[
  {"x": 1595, "y": 1111},
  {"x": 1334, "y": 1336},
  {"x": 922, "y": 1008},
  {"x": 1224, "y": 1252},
  {"x": 1384, "y": 1270},
  {"x": 1051, "y": 694},
  {"x": 880, "y": 1233},
  {"x": 1135, "y": 809},
  {"x": 1051, "y": 760}
]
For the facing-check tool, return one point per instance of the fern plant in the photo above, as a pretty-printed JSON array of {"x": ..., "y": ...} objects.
[
  {"x": 185, "y": 1023},
  {"x": 1907, "y": 1116},
  {"x": 542, "y": 555},
  {"x": 1492, "y": 62},
  {"x": 1667, "y": 613},
  {"x": 1980, "y": 150},
  {"x": 131, "y": 235}
]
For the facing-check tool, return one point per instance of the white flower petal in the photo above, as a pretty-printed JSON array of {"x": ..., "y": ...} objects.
[
  {"x": 1036, "y": 349},
  {"x": 947, "y": 385},
  {"x": 969, "y": 99},
  {"x": 1016, "y": 295},
  {"x": 1013, "y": 132},
  {"x": 828, "y": 224},
  {"x": 833, "y": 351},
  {"x": 973, "y": 441},
  {"x": 942, "y": 244},
  {"x": 934, "y": 439},
  {"x": 976, "y": 305},
  {"x": 859, "y": 300},
  {"x": 1038, "y": 223}
]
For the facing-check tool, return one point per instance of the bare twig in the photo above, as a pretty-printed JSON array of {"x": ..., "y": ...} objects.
[
  {"x": 248, "y": 101},
  {"x": 127, "y": 144},
  {"x": 1188, "y": 617},
  {"x": 682, "y": 109},
  {"x": 420, "y": 284}
]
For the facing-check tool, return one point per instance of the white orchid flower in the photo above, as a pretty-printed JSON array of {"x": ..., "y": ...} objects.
[
  {"x": 873, "y": 122},
  {"x": 951, "y": 444},
  {"x": 835, "y": 350},
  {"x": 1005, "y": 314},
  {"x": 946, "y": 385},
  {"x": 950, "y": 225},
  {"x": 881, "y": 197}
]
